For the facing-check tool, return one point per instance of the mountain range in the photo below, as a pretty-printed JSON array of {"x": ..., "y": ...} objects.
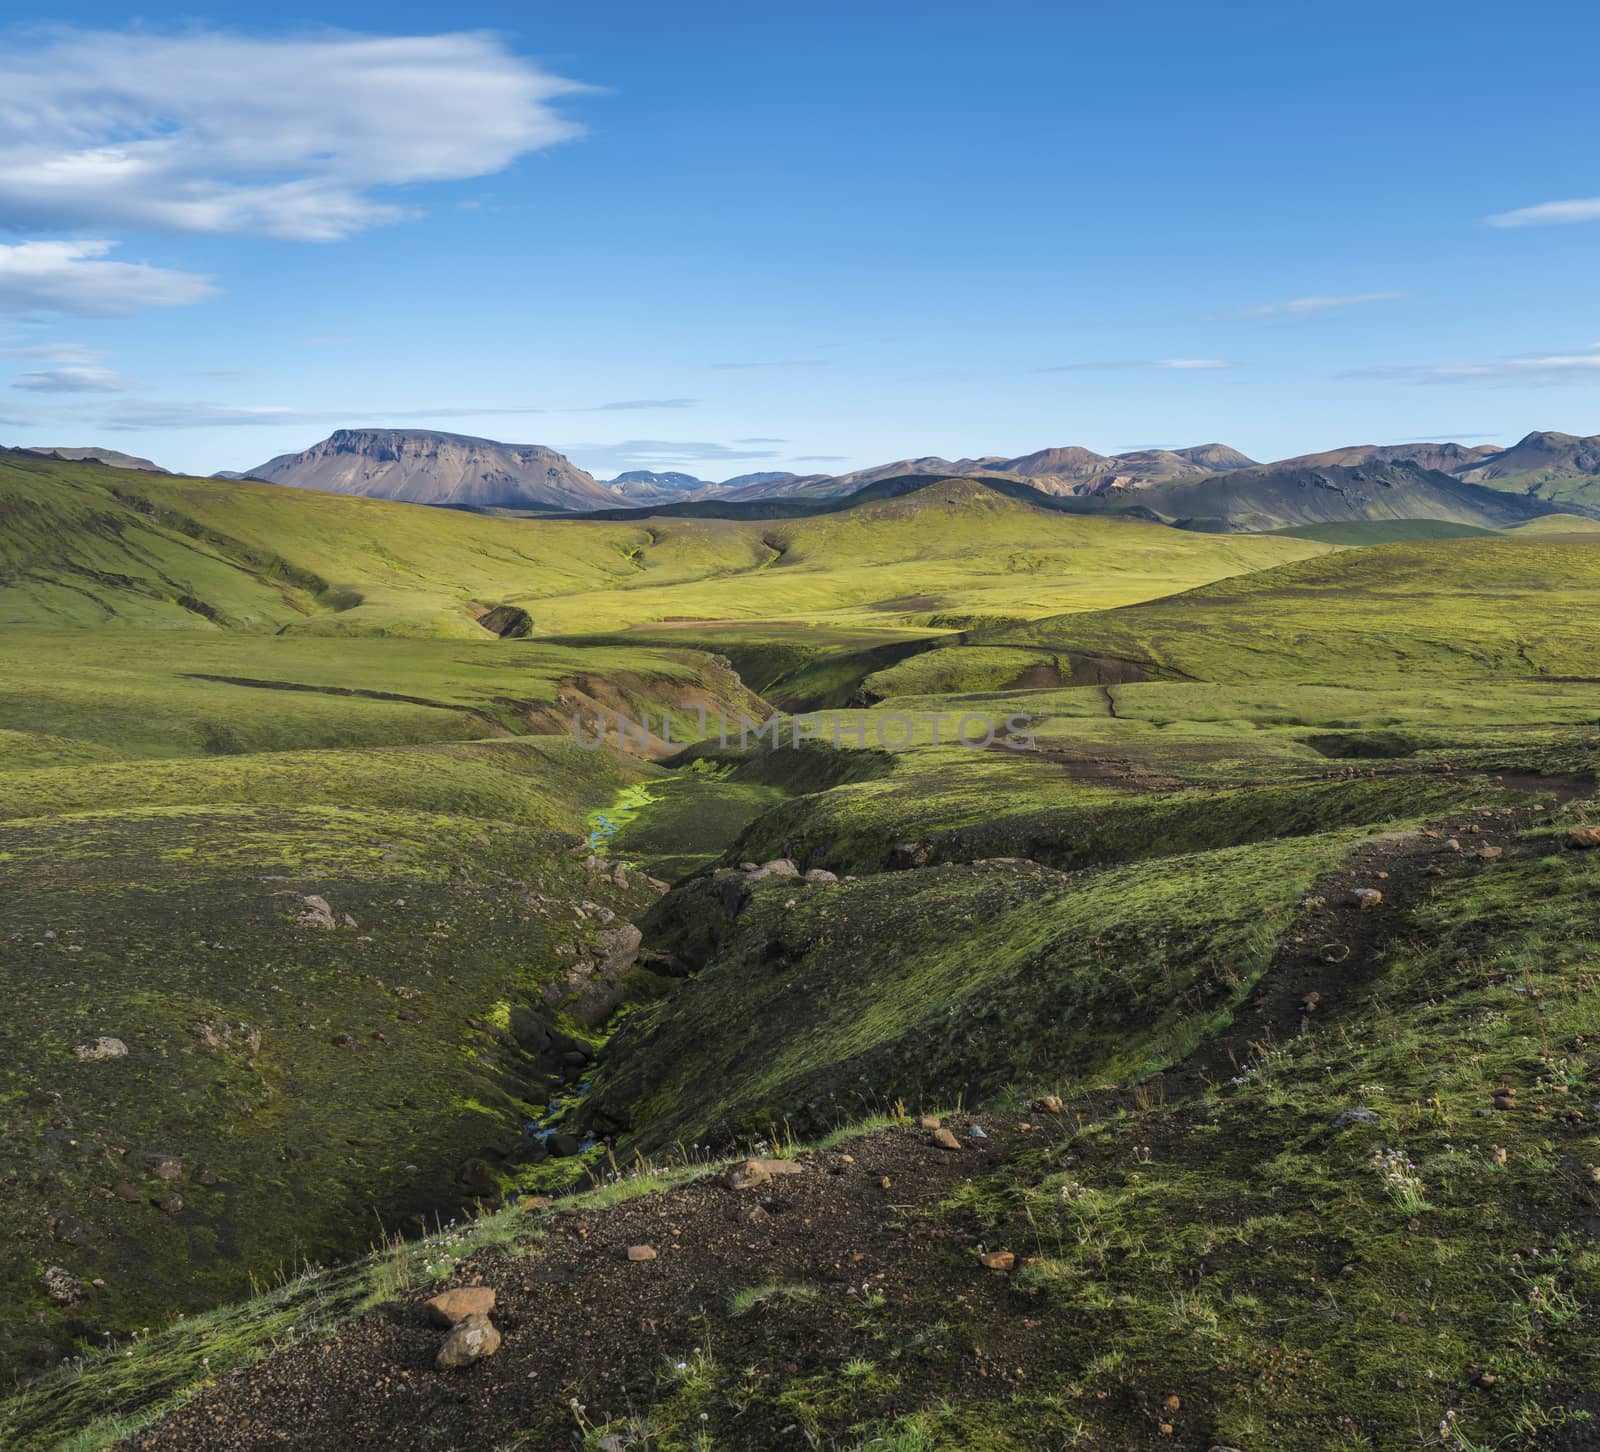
[{"x": 1209, "y": 486}]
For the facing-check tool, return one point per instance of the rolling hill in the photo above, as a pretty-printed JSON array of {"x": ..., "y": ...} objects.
[{"x": 113, "y": 458}]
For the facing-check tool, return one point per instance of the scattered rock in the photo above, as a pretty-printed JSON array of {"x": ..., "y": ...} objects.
[
  {"x": 1453, "y": 845},
  {"x": 470, "y": 1339},
  {"x": 1364, "y": 898},
  {"x": 1490, "y": 853},
  {"x": 103, "y": 1047},
  {"x": 641, "y": 1252},
  {"x": 1049, "y": 1104},
  {"x": 1354, "y": 1116},
  {"x": 449, "y": 1307},
  {"x": 945, "y": 1140},
  {"x": 168, "y": 1204},
  {"x": 167, "y": 1167},
  {"x": 1000, "y": 1260},
  {"x": 929, "y": 1121},
  {"x": 1583, "y": 838},
  {"x": 564, "y": 1146},
  {"x": 821, "y": 875},
  {"x": 131, "y": 1193}
]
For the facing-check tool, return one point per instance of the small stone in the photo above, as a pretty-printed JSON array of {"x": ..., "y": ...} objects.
[
  {"x": 131, "y": 1193},
  {"x": 1173, "y": 1404},
  {"x": 1355, "y": 1116},
  {"x": 1452, "y": 844},
  {"x": 1049, "y": 1104},
  {"x": 1583, "y": 838},
  {"x": 1364, "y": 898},
  {"x": 169, "y": 1203},
  {"x": 449, "y": 1307},
  {"x": 999, "y": 1260},
  {"x": 103, "y": 1047},
  {"x": 167, "y": 1167},
  {"x": 929, "y": 1121},
  {"x": 945, "y": 1140},
  {"x": 1490, "y": 853},
  {"x": 641, "y": 1252},
  {"x": 470, "y": 1340}
]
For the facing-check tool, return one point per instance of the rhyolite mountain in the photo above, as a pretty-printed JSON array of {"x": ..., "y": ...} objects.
[
  {"x": 1270, "y": 497},
  {"x": 419, "y": 466},
  {"x": 650, "y": 486},
  {"x": 112, "y": 458},
  {"x": 1562, "y": 468}
]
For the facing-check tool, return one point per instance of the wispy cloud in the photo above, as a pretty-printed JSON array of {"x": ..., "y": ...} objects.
[
  {"x": 634, "y": 405},
  {"x": 188, "y": 414},
  {"x": 72, "y": 380},
  {"x": 42, "y": 279},
  {"x": 296, "y": 137},
  {"x": 1549, "y": 214},
  {"x": 1539, "y": 369},
  {"x": 61, "y": 353},
  {"x": 820, "y": 458},
  {"x": 760, "y": 440},
  {"x": 1105, "y": 365},
  {"x": 1305, "y": 307},
  {"x": 606, "y": 459},
  {"x": 774, "y": 363}
]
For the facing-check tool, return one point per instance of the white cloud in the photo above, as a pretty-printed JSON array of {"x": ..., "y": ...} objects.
[
  {"x": 71, "y": 380},
  {"x": 216, "y": 132},
  {"x": 1201, "y": 363},
  {"x": 1549, "y": 214},
  {"x": 41, "y": 278},
  {"x": 1301, "y": 307}
]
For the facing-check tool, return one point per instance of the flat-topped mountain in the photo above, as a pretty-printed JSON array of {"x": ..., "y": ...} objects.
[{"x": 419, "y": 466}]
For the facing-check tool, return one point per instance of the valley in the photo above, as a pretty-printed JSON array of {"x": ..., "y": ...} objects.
[{"x": 1203, "y": 1059}]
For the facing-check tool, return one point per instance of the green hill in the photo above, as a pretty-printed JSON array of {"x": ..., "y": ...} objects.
[{"x": 1455, "y": 607}]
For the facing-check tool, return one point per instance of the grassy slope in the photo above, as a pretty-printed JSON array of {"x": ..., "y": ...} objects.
[
  {"x": 1477, "y": 606},
  {"x": 92, "y": 546}
]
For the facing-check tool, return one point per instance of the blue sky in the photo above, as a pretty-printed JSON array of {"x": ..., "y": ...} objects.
[{"x": 726, "y": 237}]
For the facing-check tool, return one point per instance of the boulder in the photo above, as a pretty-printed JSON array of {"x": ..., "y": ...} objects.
[
  {"x": 471, "y": 1339},
  {"x": 316, "y": 913},
  {"x": 103, "y": 1047},
  {"x": 1583, "y": 838},
  {"x": 619, "y": 947},
  {"x": 749, "y": 1174},
  {"x": 64, "y": 1288},
  {"x": 449, "y": 1307}
]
